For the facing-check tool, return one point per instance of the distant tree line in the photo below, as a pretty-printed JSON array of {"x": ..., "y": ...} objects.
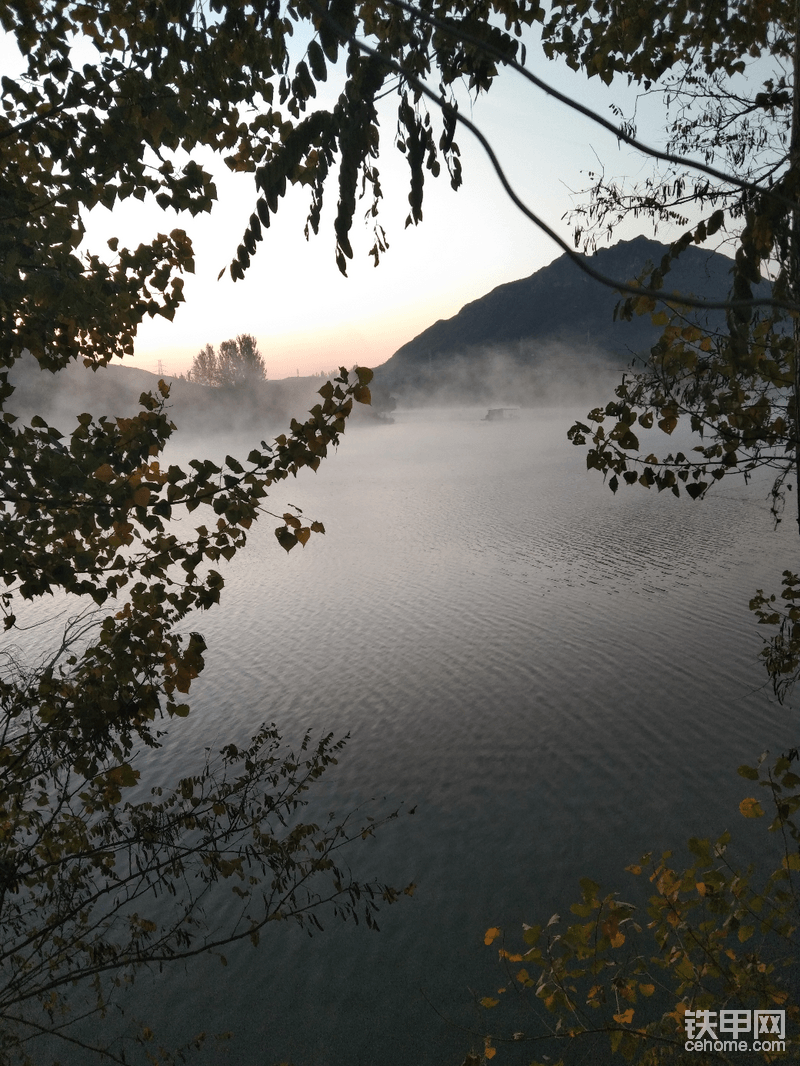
[{"x": 237, "y": 363}]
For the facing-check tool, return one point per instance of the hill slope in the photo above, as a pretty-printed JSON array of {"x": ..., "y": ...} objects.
[{"x": 520, "y": 340}]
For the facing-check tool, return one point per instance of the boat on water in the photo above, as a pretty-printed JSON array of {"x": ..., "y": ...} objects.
[{"x": 501, "y": 414}]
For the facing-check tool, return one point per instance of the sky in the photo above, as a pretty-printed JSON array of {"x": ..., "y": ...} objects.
[{"x": 306, "y": 317}]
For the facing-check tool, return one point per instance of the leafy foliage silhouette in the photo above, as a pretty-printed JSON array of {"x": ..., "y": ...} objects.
[
  {"x": 714, "y": 938},
  {"x": 734, "y": 381}
]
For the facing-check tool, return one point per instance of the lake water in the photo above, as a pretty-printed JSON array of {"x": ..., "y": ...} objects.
[{"x": 558, "y": 679}]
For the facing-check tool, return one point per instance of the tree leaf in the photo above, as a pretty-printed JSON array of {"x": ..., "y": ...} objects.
[
  {"x": 286, "y": 539},
  {"x": 751, "y": 808}
]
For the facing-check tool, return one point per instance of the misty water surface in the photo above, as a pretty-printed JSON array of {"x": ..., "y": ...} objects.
[{"x": 557, "y": 679}]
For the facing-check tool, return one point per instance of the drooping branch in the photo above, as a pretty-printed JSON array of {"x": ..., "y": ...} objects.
[
  {"x": 620, "y": 133},
  {"x": 669, "y": 298}
]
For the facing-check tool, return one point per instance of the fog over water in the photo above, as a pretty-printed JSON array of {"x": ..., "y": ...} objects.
[{"x": 557, "y": 678}]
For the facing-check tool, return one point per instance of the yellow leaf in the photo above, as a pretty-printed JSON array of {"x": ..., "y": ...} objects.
[
  {"x": 701, "y": 887},
  {"x": 625, "y": 1018},
  {"x": 751, "y": 808},
  {"x": 491, "y": 935},
  {"x": 792, "y": 862},
  {"x": 122, "y": 775},
  {"x": 104, "y": 473},
  {"x": 142, "y": 496},
  {"x": 617, "y": 940},
  {"x": 489, "y": 1052},
  {"x": 488, "y": 1002},
  {"x": 678, "y": 1013}
]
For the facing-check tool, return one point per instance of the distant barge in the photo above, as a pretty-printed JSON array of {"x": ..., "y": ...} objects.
[{"x": 501, "y": 414}]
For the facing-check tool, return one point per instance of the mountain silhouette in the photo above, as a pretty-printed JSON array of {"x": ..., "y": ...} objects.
[{"x": 515, "y": 343}]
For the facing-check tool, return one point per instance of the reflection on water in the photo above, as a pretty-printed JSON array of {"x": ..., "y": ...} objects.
[{"x": 557, "y": 678}]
